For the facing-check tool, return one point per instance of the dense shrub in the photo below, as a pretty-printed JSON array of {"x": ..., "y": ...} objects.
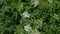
[{"x": 29, "y": 16}]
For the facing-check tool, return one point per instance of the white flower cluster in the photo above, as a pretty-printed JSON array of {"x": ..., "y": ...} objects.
[
  {"x": 35, "y": 2},
  {"x": 26, "y": 14},
  {"x": 27, "y": 27}
]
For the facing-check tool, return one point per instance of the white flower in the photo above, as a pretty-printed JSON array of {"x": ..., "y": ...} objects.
[
  {"x": 35, "y": 2},
  {"x": 26, "y": 14},
  {"x": 27, "y": 28}
]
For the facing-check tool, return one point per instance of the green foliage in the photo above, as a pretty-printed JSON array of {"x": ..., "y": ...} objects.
[{"x": 44, "y": 16}]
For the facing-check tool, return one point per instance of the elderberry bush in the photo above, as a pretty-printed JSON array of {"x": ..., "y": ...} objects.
[{"x": 29, "y": 16}]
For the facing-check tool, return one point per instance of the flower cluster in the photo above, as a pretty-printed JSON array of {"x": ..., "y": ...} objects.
[
  {"x": 26, "y": 14},
  {"x": 27, "y": 27}
]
